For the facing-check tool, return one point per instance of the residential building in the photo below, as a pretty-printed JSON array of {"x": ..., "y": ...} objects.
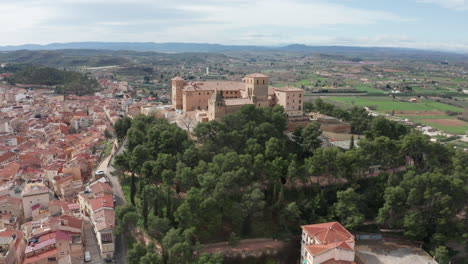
[
  {"x": 327, "y": 243},
  {"x": 34, "y": 193},
  {"x": 12, "y": 246}
]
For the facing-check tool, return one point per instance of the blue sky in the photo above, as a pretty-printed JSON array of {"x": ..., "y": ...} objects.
[{"x": 427, "y": 24}]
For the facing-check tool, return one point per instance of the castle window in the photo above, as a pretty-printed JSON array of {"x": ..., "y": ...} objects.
[
  {"x": 263, "y": 81},
  {"x": 299, "y": 101},
  {"x": 199, "y": 93},
  {"x": 257, "y": 81},
  {"x": 300, "y": 95}
]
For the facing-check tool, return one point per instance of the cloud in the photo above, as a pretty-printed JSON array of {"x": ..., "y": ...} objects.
[
  {"x": 246, "y": 22},
  {"x": 459, "y": 5}
]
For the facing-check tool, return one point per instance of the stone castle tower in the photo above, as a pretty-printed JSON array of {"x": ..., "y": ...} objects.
[
  {"x": 256, "y": 86},
  {"x": 177, "y": 87},
  {"x": 216, "y": 106}
]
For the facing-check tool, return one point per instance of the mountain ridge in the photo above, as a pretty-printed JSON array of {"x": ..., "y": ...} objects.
[{"x": 178, "y": 47}]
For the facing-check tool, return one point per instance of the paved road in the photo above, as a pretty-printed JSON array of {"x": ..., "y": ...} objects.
[
  {"x": 91, "y": 243},
  {"x": 120, "y": 254}
]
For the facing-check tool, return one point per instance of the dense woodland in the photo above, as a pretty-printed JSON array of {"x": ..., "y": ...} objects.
[
  {"x": 243, "y": 177},
  {"x": 66, "y": 82}
]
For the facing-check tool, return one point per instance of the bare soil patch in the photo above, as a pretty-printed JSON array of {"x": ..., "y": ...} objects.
[
  {"x": 445, "y": 122},
  {"x": 246, "y": 245}
]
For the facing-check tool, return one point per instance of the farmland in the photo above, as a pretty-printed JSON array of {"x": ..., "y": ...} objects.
[
  {"x": 424, "y": 111},
  {"x": 387, "y": 104}
]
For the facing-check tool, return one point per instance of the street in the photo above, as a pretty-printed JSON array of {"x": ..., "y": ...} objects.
[
  {"x": 91, "y": 243},
  {"x": 120, "y": 254}
]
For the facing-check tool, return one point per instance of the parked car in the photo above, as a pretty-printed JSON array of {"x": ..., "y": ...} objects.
[
  {"x": 99, "y": 173},
  {"x": 87, "y": 256}
]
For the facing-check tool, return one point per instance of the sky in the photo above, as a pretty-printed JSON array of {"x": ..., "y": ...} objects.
[{"x": 424, "y": 24}]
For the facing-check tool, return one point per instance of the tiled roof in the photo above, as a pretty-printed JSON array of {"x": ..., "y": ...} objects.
[
  {"x": 328, "y": 232},
  {"x": 214, "y": 85},
  {"x": 104, "y": 219},
  {"x": 318, "y": 249},
  {"x": 45, "y": 255},
  {"x": 40, "y": 245},
  {"x": 10, "y": 200},
  {"x": 99, "y": 188},
  {"x": 102, "y": 201},
  {"x": 253, "y": 75}
]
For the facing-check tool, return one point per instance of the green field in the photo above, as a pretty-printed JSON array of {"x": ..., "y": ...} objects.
[
  {"x": 366, "y": 88},
  {"x": 451, "y": 129},
  {"x": 386, "y": 104}
]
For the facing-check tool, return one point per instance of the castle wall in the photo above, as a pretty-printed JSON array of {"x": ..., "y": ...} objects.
[{"x": 196, "y": 100}]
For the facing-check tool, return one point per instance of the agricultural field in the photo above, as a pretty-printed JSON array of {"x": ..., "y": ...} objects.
[
  {"x": 367, "y": 88},
  {"x": 424, "y": 111},
  {"x": 387, "y": 104}
]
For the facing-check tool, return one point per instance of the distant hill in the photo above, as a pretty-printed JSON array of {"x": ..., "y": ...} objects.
[{"x": 203, "y": 47}]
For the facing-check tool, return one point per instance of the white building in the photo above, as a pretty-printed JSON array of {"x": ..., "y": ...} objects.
[{"x": 327, "y": 243}]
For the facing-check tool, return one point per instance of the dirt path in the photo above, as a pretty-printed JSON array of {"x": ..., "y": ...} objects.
[{"x": 246, "y": 245}]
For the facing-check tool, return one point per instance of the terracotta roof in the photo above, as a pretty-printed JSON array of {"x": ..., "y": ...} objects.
[
  {"x": 6, "y": 156},
  {"x": 318, "y": 249},
  {"x": 10, "y": 200},
  {"x": 328, "y": 232},
  {"x": 45, "y": 255},
  {"x": 63, "y": 235},
  {"x": 101, "y": 188},
  {"x": 46, "y": 237},
  {"x": 103, "y": 201},
  {"x": 214, "y": 85},
  {"x": 104, "y": 219},
  {"x": 40, "y": 245},
  {"x": 72, "y": 221},
  {"x": 253, "y": 75},
  {"x": 10, "y": 170}
]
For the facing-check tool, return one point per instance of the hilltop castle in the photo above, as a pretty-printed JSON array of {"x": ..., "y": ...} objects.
[{"x": 219, "y": 98}]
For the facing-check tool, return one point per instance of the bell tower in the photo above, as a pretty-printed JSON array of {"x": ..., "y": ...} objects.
[
  {"x": 256, "y": 86},
  {"x": 177, "y": 87}
]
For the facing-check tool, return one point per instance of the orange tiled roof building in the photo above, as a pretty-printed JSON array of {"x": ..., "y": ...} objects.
[
  {"x": 327, "y": 243},
  {"x": 219, "y": 98}
]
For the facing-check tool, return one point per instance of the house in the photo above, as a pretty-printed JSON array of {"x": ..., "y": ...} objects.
[
  {"x": 53, "y": 238},
  {"x": 12, "y": 246},
  {"x": 13, "y": 207},
  {"x": 8, "y": 157},
  {"x": 97, "y": 203},
  {"x": 327, "y": 243},
  {"x": 34, "y": 193}
]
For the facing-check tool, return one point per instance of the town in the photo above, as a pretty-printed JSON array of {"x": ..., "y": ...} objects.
[{"x": 208, "y": 171}]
